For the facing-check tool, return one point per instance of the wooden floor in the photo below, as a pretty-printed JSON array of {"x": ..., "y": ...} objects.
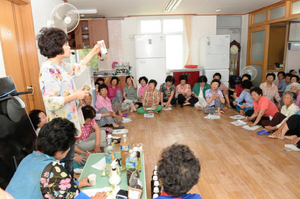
[{"x": 235, "y": 163}]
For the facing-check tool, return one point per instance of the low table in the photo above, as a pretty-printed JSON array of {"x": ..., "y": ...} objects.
[{"x": 102, "y": 182}]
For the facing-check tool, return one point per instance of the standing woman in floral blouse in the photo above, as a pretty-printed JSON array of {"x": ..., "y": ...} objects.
[{"x": 60, "y": 96}]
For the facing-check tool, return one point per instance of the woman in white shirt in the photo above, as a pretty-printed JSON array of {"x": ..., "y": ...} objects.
[{"x": 287, "y": 110}]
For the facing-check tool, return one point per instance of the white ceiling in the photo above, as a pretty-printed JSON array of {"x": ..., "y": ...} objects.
[{"x": 123, "y": 8}]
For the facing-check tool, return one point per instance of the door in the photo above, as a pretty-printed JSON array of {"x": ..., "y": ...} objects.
[
  {"x": 150, "y": 46},
  {"x": 19, "y": 50},
  {"x": 258, "y": 48}
]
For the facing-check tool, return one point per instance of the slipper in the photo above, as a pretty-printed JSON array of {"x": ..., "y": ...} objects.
[
  {"x": 119, "y": 127},
  {"x": 125, "y": 114},
  {"x": 263, "y": 132}
]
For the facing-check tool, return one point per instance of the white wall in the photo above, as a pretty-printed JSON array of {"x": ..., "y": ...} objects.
[
  {"x": 41, "y": 11},
  {"x": 2, "y": 68}
]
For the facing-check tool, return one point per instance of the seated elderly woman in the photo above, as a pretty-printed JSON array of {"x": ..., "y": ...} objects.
[
  {"x": 263, "y": 109},
  {"x": 183, "y": 92},
  {"x": 130, "y": 94},
  {"x": 150, "y": 99},
  {"x": 295, "y": 87},
  {"x": 167, "y": 92},
  {"x": 110, "y": 114},
  {"x": 114, "y": 91},
  {"x": 289, "y": 108},
  {"x": 215, "y": 99},
  {"x": 270, "y": 90},
  {"x": 185, "y": 169},
  {"x": 294, "y": 79},
  {"x": 39, "y": 175},
  {"x": 199, "y": 90},
  {"x": 241, "y": 107},
  {"x": 238, "y": 89},
  {"x": 291, "y": 126}
]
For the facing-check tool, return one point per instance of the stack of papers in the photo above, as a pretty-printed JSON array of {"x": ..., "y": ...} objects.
[
  {"x": 251, "y": 128},
  {"x": 111, "y": 191},
  {"x": 149, "y": 115},
  {"x": 167, "y": 109},
  {"x": 239, "y": 123},
  {"x": 237, "y": 117},
  {"x": 120, "y": 131},
  {"x": 212, "y": 117},
  {"x": 292, "y": 147},
  {"x": 125, "y": 120},
  {"x": 100, "y": 165}
]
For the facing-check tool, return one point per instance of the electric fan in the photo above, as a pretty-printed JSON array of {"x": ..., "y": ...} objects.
[
  {"x": 64, "y": 16},
  {"x": 251, "y": 71}
]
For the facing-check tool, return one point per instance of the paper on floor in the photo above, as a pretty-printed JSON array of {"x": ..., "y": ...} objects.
[
  {"x": 237, "y": 117},
  {"x": 239, "y": 123},
  {"x": 251, "y": 128},
  {"x": 213, "y": 117},
  {"x": 292, "y": 147},
  {"x": 149, "y": 115}
]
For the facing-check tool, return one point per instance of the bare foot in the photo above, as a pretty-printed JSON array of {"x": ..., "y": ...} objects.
[
  {"x": 186, "y": 103},
  {"x": 242, "y": 113},
  {"x": 268, "y": 128},
  {"x": 229, "y": 106},
  {"x": 225, "y": 109},
  {"x": 199, "y": 108},
  {"x": 291, "y": 137}
]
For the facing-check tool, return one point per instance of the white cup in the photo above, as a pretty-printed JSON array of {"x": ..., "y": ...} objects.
[{"x": 92, "y": 179}]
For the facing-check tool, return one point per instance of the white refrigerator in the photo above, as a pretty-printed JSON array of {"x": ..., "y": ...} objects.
[
  {"x": 214, "y": 56},
  {"x": 150, "y": 54}
]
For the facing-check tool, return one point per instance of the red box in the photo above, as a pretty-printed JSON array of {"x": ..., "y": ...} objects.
[{"x": 192, "y": 77}]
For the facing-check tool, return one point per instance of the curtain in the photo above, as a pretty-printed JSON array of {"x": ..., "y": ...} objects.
[{"x": 187, "y": 30}]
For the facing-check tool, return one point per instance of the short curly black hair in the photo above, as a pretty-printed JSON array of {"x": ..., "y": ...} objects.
[
  {"x": 257, "y": 90},
  {"x": 101, "y": 87},
  {"x": 178, "y": 169},
  {"x": 99, "y": 79},
  {"x": 57, "y": 135},
  {"x": 216, "y": 80},
  {"x": 296, "y": 76},
  {"x": 116, "y": 78},
  {"x": 88, "y": 112},
  {"x": 51, "y": 41},
  {"x": 202, "y": 78},
  {"x": 183, "y": 77},
  {"x": 170, "y": 78},
  {"x": 271, "y": 74},
  {"x": 153, "y": 81},
  {"x": 34, "y": 117},
  {"x": 246, "y": 84},
  {"x": 281, "y": 72},
  {"x": 143, "y": 78}
]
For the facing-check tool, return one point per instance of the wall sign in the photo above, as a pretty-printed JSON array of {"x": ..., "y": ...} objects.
[{"x": 294, "y": 31}]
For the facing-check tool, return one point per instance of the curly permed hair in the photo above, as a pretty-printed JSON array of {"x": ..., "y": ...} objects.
[
  {"x": 178, "y": 169},
  {"x": 51, "y": 41}
]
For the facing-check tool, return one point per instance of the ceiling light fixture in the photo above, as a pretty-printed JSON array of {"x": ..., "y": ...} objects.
[
  {"x": 88, "y": 11},
  {"x": 172, "y": 5},
  {"x": 218, "y": 10}
]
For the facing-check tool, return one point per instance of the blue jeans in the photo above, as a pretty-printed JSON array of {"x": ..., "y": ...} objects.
[
  {"x": 238, "y": 108},
  {"x": 68, "y": 160}
]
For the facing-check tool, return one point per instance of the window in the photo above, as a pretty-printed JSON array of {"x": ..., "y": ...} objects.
[{"x": 173, "y": 29}]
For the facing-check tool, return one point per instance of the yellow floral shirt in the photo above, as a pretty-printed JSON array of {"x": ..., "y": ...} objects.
[{"x": 57, "y": 82}]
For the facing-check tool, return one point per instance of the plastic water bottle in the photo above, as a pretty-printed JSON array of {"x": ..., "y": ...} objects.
[
  {"x": 131, "y": 160},
  {"x": 125, "y": 146},
  {"x": 109, "y": 152}
]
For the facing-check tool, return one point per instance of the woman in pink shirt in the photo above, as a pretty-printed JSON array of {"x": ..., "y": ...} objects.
[
  {"x": 263, "y": 109},
  {"x": 184, "y": 92},
  {"x": 109, "y": 114},
  {"x": 114, "y": 91},
  {"x": 144, "y": 86}
]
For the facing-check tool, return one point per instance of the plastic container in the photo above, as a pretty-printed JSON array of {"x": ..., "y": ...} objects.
[
  {"x": 124, "y": 146},
  {"x": 109, "y": 152},
  {"x": 131, "y": 160},
  {"x": 191, "y": 66},
  {"x": 155, "y": 178},
  {"x": 138, "y": 155}
]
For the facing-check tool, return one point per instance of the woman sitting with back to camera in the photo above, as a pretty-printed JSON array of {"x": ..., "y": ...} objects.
[
  {"x": 39, "y": 175},
  {"x": 199, "y": 90},
  {"x": 215, "y": 99}
]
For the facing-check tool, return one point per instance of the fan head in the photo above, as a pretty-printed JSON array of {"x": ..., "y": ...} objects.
[
  {"x": 251, "y": 71},
  {"x": 65, "y": 16}
]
